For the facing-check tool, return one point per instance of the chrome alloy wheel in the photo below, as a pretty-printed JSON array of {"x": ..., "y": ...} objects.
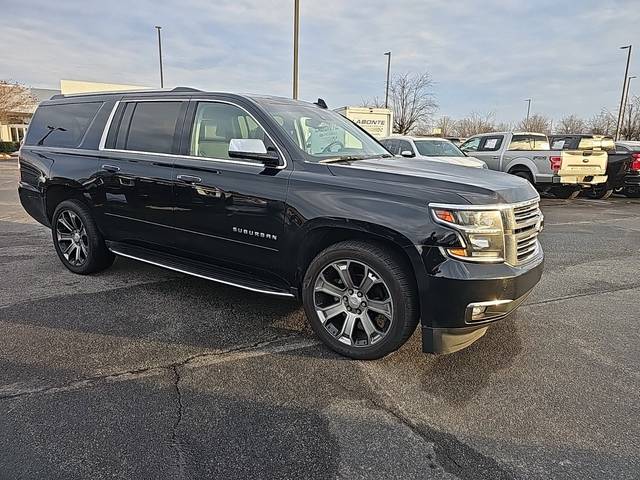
[
  {"x": 72, "y": 238},
  {"x": 353, "y": 303}
]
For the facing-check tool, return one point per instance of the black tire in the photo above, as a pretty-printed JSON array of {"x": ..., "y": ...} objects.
[
  {"x": 90, "y": 246},
  {"x": 599, "y": 192},
  {"x": 523, "y": 174},
  {"x": 565, "y": 192},
  {"x": 395, "y": 274},
  {"x": 632, "y": 192}
]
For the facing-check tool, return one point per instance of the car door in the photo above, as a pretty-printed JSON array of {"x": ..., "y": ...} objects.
[
  {"x": 489, "y": 151},
  {"x": 228, "y": 210},
  {"x": 134, "y": 198}
]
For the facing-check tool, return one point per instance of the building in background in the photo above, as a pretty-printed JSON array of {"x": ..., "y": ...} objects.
[{"x": 15, "y": 128}]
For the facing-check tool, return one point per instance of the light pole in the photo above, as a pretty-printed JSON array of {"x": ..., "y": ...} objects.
[
  {"x": 528, "y": 100},
  {"x": 160, "y": 55},
  {"x": 626, "y": 100},
  {"x": 386, "y": 93},
  {"x": 624, "y": 85},
  {"x": 296, "y": 33}
]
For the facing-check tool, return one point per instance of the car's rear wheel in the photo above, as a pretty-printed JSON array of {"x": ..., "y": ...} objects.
[
  {"x": 77, "y": 240},
  {"x": 361, "y": 299},
  {"x": 565, "y": 191},
  {"x": 600, "y": 192},
  {"x": 523, "y": 174}
]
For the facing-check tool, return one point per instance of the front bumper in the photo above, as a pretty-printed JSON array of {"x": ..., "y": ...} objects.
[{"x": 455, "y": 287}]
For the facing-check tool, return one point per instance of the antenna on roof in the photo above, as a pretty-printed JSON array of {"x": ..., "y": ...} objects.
[{"x": 321, "y": 103}]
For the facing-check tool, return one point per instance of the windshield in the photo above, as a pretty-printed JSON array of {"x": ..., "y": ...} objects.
[
  {"x": 438, "y": 148},
  {"x": 322, "y": 134}
]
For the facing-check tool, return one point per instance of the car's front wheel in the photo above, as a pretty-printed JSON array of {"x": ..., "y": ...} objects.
[
  {"x": 361, "y": 299},
  {"x": 77, "y": 240}
]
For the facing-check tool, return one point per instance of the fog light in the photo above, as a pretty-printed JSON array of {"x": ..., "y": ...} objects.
[{"x": 478, "y": 311}]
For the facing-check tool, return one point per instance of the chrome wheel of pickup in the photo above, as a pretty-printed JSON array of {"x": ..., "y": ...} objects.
[
  {"x": 353, "y": 303},
  {"x": 72, "y": 238}
]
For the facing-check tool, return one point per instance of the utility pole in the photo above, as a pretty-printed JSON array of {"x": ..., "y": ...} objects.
[
  {"x": 528, "y": 100},
  {"x": 624, "y": 87},
  {"x": 626, "y": 100},
  {"x": 296, "y": 34},
  {"x": 386, "y": 93},
  {"x": 160, "y": 55}
]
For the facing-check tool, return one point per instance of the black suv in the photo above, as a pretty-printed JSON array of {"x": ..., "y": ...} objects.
[{"x": 285, "y": 198}]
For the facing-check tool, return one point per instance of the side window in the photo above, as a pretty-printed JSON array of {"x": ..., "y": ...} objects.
[
  {"x": 529, "y": 142},
  {"x": 490, "y": 144},
  {"x": 393, "y": 146},
  {"x": 558, "y": 143},
  {"x": 404, "y": 145},
  {"x": 216, "y": 124},
  {"x": 152, "y": 127},
  {"x": 471, "y": 145},
  {"x": 61, "y": 125}
]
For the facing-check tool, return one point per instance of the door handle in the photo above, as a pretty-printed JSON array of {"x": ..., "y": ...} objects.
[
  {"x": 110, "y": 168},
  {"x": 496, "y": 157},
  {"x": 189, "y": 179}
]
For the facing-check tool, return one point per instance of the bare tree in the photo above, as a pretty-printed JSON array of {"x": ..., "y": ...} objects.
[
  {"x": 505, "y": 127},
  {"x": 447, "y": 126},
  {"x": 630, "y": 129},
  {"x": 476, "y": 123},
  {"x": 412, "y": 101},
  {"x": 571, "y": 124},
  {"x": 603, "y": 123},
  {"x": 14, "y": 98},
  {"x": 536, "y": 123}
]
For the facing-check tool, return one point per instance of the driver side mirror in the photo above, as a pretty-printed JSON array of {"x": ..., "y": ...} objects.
[
  {"x": 407, "y": 153},
  {"x": 254, "y": 149}
]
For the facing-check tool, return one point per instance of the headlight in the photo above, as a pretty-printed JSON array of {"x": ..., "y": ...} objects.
[{"x": 482, "y": 232}]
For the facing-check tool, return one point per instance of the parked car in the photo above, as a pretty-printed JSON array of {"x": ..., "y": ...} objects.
[
  {"x": 286, "y": 198},
  {"x": 618, "y": 162},
  {"x": 528, "y": 155},
  {"x": 631, "y": 186},
  {"x": 430, "y": 148},
  {"x": 457, "y": 141}
]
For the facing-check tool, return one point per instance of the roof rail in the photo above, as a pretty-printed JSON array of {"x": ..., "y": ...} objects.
[
  {"x": 186, "y": 89},
  {"x": 144, "y": 90}
]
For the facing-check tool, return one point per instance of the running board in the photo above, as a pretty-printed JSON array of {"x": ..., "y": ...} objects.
[{"x": 196, "y": 269}]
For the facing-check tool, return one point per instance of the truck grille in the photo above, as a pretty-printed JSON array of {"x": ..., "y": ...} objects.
[{"x": 522, "y": 237}]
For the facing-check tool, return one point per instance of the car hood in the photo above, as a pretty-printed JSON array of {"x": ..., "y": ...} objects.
[
  {"x": 463, "y": 161},
  {"x": 476, "y": 186}
]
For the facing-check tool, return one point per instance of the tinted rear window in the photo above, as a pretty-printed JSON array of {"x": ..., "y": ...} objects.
[
  {"x": 529, "y": 142},
  {"x": 61, "y": 125},
  {"x": 153, "y": 125}
]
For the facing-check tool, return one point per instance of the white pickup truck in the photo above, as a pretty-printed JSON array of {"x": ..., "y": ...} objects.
[{"x": 528, "y": 155}]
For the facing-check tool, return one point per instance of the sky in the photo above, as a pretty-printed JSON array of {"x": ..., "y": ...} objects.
[{"x": 483, "y": 56}]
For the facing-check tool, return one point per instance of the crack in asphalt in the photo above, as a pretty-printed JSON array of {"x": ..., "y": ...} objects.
[
  {"x": 448, "y": 448},
  {"x": 158, "y": 369},
  {"x": 175, "y": 441}
]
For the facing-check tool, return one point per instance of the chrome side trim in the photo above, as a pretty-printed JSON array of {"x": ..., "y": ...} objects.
[
  {"x": 105, "y": 132},
  {"x": 175, "y": 269}
]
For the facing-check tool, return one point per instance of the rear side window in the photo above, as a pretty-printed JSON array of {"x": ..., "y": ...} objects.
[
  {"x": 152, "y": 127},
  {"x": 529, "y": 142},
  {"x": 391, "y": 145},
  {"x": 490, "y": 144},
  {"x": 61, "y": 125}
]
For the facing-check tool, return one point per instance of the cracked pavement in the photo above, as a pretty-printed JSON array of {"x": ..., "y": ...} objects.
[{"x": 139, "y": 372}]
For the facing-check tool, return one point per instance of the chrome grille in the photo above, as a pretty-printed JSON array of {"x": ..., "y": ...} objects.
[{"x": 523, "y": 229}]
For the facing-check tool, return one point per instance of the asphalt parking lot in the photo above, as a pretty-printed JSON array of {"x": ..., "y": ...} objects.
[{"x": 143, "y": 373}]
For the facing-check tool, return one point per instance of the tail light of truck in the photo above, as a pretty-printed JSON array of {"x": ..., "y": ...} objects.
[
  {"x": 635, "y": 162},
  {"x": 556, "y": 163}
]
